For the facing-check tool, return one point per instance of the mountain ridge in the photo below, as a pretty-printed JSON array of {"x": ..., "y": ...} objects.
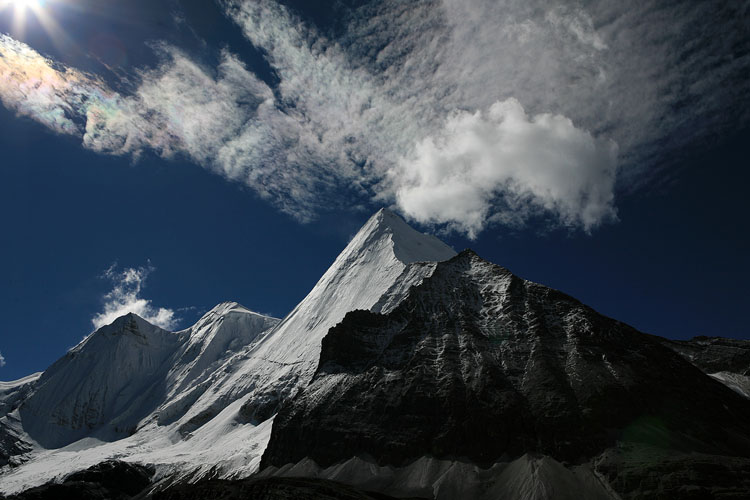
[
  {"x": 409, "y": 370},
  {"x": 233, "y": 368}
]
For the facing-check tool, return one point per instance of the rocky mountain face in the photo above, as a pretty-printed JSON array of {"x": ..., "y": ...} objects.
[
  {"x": 368, "y": 274},
  {"x": 479, "y": 365},
  {"x": 407, "y": 371},
  {"x": 715, "y": 354},
  {"x": 726, "y": 360}
]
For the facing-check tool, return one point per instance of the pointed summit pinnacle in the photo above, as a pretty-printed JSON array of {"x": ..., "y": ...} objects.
[{"x": 408, "y": 244}]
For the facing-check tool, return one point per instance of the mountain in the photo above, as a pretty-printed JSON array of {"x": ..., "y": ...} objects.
[
  {"x": 407, "y": 371},
  {"x": 107, "y": 386},
  {"x": 130, "y": 390},
  {"x": 200, "y": 401},
  {"x": 102, "y": 387},
  {"x": 477, "y": 366},
  {"x": 368, "y": 274}
]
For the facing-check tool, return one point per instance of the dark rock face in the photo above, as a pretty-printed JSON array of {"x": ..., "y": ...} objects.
[
  {"x": 481, "y": 365},
  {"x": 12, "y": 445},
  {"x": 647, "y": 473},
  {"x": 715, "y": 354},
  {"x": 128, "y": 478},
  {"x": 110, "y": 480},
  {"x": 267, "y": 489}
]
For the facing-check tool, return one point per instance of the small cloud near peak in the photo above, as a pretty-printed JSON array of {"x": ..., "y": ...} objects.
[{"x": 125, "y": 297}]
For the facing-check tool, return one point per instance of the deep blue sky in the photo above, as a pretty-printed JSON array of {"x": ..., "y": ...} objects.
[{"x": 675, "y": 264}]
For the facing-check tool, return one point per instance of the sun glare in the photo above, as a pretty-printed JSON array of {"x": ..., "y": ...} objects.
[
  {"x": 26, "y": 4},
  {"x": 22, "y": 5},
  {"x": 22, "y": 11}
]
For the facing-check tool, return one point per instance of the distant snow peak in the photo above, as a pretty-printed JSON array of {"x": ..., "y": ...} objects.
[{"x": 231, "y": 306}]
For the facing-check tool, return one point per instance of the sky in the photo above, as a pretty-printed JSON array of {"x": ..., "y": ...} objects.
[{"x": 162, "y": 157}]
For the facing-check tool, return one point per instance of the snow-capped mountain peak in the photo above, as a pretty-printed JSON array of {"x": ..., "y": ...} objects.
[
  {"x": 271, "y": 366},
  {"x": 365, "y": 270},
  {"x": 103, "y": 385},
  {"x": 231, "y": 370},
  {"x": 219, "y": 313},
  {"x": 407, "y": 244}
]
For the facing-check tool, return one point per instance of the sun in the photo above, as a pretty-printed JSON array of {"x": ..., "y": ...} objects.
[
  {"x": 21, "y": 6},
  {"x": 26, "y": 4},
  {"x": 22, "y": 11}
]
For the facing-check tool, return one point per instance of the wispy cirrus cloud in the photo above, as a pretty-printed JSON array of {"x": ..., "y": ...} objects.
[
  {"x": 463, "y": 113},
  {"x": 125, "y": 297},
  {"x": 224, "y": 118}
]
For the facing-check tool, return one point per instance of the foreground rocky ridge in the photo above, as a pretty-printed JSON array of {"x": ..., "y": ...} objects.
[{"x": 115, "y": 480}]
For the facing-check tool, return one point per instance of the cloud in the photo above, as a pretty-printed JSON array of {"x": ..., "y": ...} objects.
[
  {"x": 223, "y": 118},
  {"x": 648, "y": 80},
  {"x": 125, "y": 298},
  {"x": 505, "y": 164},
  {"x": 2, "y": 360},
  {"x": 461, "y": 112}
]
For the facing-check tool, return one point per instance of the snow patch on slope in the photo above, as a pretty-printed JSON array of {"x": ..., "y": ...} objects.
[
  {"x": 217, "y": 344},
  {"x": 12, "y": 392},
  {"x": 7, "y": 387}
]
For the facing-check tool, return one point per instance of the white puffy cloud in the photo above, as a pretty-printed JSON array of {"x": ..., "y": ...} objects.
[
  {"x": 505, "y": 164},
  {"x": 2, "y": 360},
  {"x": 125, "y": 297}
]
